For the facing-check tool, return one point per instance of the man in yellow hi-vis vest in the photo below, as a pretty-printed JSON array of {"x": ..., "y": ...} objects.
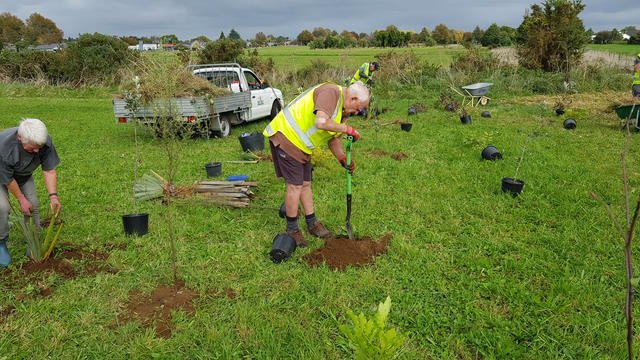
[
  {"x": 365, "y": 72},
  {"x": 635, "y": 88},
  {"x": 317, "y": 116}
]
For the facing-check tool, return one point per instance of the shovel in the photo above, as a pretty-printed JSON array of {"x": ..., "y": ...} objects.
[{"x": 348, "y": 221}]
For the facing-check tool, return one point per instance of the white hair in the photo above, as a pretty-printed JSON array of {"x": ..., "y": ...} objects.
[
  {"x": 359, "y": 90},
  {"x": 32, "y": 131}
]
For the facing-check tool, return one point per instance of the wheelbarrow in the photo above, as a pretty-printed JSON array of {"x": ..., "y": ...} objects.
[
  {"x": 629, "y": 114},
  {"x": 474, "y": 94}
]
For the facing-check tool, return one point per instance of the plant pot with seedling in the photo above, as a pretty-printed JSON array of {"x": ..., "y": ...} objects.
[
  {"x": 135, "y": 223},
  {"x": 485, "y": 114},
  {"x": 558, "y": 108},
  {"x": 513, "y": 185}
]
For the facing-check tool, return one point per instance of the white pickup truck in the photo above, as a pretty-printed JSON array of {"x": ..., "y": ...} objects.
[{"x": 250, "y": 99}]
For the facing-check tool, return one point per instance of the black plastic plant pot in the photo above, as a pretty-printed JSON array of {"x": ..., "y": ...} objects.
[
  {"x": 450, "y": 108},
  {"x": 283, "y": 211},
  {"x": 412, "y": 111},
  {"x": 491, "y": 153},
  {"x": 282, "y": 248},
  {"x": 512, "y": 186},
  {"x": 485, "y": 114},
  {"x": 252, "y": 142},
  {"x": 213, "y": 169},
  {"x": 465, "y": 119},
  {"x": 559, "y": 111},
  {"x": 569, "y": 124},
  {"x": 135, "y": 224},
  {"x": 406, "y": 126}
]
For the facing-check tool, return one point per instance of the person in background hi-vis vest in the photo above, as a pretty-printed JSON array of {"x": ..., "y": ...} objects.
[
  {"x": 635, "y": 88},
  {"x": 365, "y": 73},
  {"x": 317, "y": 116}
]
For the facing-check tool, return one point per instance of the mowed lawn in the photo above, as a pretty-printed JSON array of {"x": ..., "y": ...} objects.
[{"x": 472, "y": 272}]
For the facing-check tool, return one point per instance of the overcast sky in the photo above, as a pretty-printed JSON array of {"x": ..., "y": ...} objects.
[{"x": 190, "y": 18}]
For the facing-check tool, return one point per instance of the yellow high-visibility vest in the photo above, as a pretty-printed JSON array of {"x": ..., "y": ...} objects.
[
  {"x": 636, "y": 78},
  {"x": 363, "y": 74},
  {"x": 297, "y": 122}
]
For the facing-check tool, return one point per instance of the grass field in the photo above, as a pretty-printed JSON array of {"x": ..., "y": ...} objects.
[
  {"x": 296, "y": 57},
  {"x": 622, "y": 49},
  {"x": 472, "y": 272}
]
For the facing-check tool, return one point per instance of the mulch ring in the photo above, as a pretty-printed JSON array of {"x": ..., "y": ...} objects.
[
  {"x": 154, "y": 310},
  {"x": 67, "y": 260},
  {"x": 340, "y": 252}
]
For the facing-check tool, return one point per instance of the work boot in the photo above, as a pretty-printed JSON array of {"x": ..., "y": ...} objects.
[
  {"x": 298, "y": 237},
  {"x": 5, "y": 257},
  {"x": 319, "y": 230}
]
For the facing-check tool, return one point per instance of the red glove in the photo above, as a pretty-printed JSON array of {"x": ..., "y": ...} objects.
[
  {"x": 351, "y": 167},
  {"x": 353, "y": 132}
]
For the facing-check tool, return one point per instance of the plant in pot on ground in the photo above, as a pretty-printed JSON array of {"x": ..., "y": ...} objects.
[
  {"x": 514, "y": 185},
  {"x": 465, "y": 117}
]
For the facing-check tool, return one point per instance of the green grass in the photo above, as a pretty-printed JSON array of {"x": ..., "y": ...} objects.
[
  {"x": 622, "y": 49},
  {"x": 472, "y": 272},
  {"x": 296, "y": 57}
]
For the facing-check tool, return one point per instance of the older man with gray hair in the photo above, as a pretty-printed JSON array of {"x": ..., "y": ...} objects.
[
  {"x": 317, "y": 116},
  {"x": 22, "y": 150}
]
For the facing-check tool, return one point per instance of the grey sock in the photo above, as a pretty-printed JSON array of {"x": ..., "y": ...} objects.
[
  {"x": 310, "y": 219},
  {"x": 292, "y": 223}
]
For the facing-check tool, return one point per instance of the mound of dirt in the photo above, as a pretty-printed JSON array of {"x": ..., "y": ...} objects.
[
  {"x": 340, "y": 252},
  {"x": 154, "y": 310},
  {"x": 399, "y": 156}
]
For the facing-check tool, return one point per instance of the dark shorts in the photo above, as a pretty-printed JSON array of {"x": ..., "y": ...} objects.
[
  {"x": 293, "y": 172},
  {"x": 635, "y": 90}
]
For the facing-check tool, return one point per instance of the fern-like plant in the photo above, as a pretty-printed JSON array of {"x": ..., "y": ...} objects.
[
  {"x": 369, "y": 338},
  {"x": 39, "y": 246}
]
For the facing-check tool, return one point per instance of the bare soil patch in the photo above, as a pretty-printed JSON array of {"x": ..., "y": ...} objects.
[
  {"x": 398, "y": 156},
  {"x": 340, "y": 252},
  {"x": 155, "y": 309}
]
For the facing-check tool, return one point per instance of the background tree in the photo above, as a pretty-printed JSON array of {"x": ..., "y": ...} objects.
[
  {"x": 221, "y": 35},
  {"x": 130, "y": 40},
  {"x": 233, "y": 34},
  {"x": 602, "y": 37},
  {"x": 496, "y": 36},
  {"x": 11, "y": 29},
  {"x": 260, "y": 39},
  {"x": 457, "y": 36},
  {"x": 96, "y": 58},
  {"x": 349, "y": 38},
  {"x": 40, "y": 30},
  {"x": 441, "y": 34},
  {"x": 202, "y": 38},
  {"x": 477, "y": 35},
  {"x": 552, "y": 36},
  {"x": 305, "y": 37},
  {"x": 169, "y": 39},
  {"x": 615, "y": 35},
  {"x": 223, "y": 50}
]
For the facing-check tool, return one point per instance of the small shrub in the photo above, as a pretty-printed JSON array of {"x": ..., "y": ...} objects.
[
  {"x": 369, "y": 338},
  {"x": 223, "y": 50}
]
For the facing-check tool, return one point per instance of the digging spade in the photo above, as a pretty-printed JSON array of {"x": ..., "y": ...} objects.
[{"x": 348, "y": 221}]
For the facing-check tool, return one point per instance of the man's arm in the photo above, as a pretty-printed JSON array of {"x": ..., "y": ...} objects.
[
  {"x": 51, "y": 184},
  {"x": 324, "y": 122},
  {"x": 25, "y": 205}
]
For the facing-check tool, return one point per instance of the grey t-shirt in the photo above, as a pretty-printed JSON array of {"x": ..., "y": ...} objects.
[{"x": 16, "y": 163}]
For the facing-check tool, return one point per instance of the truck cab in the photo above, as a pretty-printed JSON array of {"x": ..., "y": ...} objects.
[{"x": 265, "y": 100}]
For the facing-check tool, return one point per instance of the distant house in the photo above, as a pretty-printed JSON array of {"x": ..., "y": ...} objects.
[
  {"x": 145, "y": 47},
  {"x": 50, "y": 47},
  {"x": 197, "y": 44},
  {"x": 626, "y": 36},
  {"x": 168, "y": 46}
]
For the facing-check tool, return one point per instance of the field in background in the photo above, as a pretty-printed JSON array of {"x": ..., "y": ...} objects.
[
  {"x": 622, "y": 49},
  {"x": 296, "y": 57},
  {"x": 472, "y": 272}
]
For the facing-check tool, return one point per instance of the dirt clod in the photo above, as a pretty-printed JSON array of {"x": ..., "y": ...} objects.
[{"x": 340, "y": 252}]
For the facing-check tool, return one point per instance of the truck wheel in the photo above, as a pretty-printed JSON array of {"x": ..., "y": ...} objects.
[
  {"x": 275, "y": 109},
  {"x": 225, "y": 127}
]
